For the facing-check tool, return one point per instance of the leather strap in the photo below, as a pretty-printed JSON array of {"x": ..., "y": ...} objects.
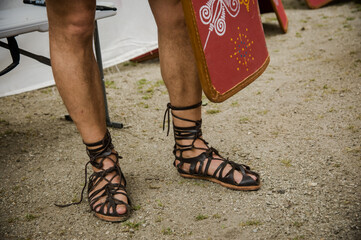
[{"x": 171, "y": 107}]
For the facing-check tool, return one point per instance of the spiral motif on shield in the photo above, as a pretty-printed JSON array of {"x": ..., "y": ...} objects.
[
  {"x": 234, "y": 6},
  {"x": 205, "y": 14},
  {"x": 220, "y": 26}
]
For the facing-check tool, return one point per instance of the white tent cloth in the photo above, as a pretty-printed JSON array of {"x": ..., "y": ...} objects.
[{"x": 130, "y": 33}]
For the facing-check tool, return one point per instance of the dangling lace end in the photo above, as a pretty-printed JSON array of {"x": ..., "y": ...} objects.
[
  {"x": 82, "y": 191},
  {"x": 166, "y": 114}
]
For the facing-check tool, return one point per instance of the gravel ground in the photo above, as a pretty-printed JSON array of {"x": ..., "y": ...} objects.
[{"x": 298, "y": 125}]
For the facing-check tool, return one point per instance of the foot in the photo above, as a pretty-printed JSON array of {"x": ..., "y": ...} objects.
[
  {"x": 106, "y": 189},
  {"x": 200, "y": 147},
  {"x": 111, "y": 178},
  {"x": 195, "y": 159}
]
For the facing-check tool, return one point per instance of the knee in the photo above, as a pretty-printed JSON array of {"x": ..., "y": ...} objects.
[
  {"x": 74, "y": 27},
  {"x": 79, "y": 26},
  {"x": 169, "y": 16}
]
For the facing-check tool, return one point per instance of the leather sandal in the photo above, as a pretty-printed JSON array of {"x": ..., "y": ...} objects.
[
  {"x": 200, "y": 164},
  {"x": 103, "y": 198}
]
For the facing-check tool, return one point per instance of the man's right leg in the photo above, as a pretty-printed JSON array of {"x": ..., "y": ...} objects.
[
  {"x": 76, "y": 73},
  {"x": 71, "y": 26}
]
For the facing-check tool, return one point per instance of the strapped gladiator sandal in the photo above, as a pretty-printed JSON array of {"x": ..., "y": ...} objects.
[
  {"x": 200, "y": 164},
  {"x": 103, "y": 150}
]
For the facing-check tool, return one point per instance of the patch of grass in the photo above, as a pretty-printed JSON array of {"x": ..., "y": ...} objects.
[
  {"x": 142, "y": 81},
  {"x": 271, "y": 19},
  {"x": 244, "y": 120},
  {"x": 250, "y": 223},
  {"x": 150, "y": 90},
  {"x": 345, "y": 90},
  {"x": 75, "y": 199},
  {"x": 159, "y": 83},
  {"x": 298, "y": 35},
  {"x": 136, "y": 207},
  {"x": 110, "y": 84},
  {"x": 132, "y": 225},
  {"x": 299, "y": 237},
  {"x": 151, "y": 87},
  {"x": 129, "y": 63},
  {"x": 286, "y": 162},
  {"x": 142, "y": 104},
  {"x": 29, "y": 217},
  {"x": 4, "y": 122},
  {"x": 350, "y": 18},
  {"x": 159, "y": 203},
  {"x": 275, "y": 133},
  {"x": 347, "y": 26},
  {"x": 216, "y": 216},
  {"x": 234, "y": 104},
  {"x": 147, "y": 96},
  {"x": 167, "y": 231},
  {"x": 12, "y": 220},
  {"x": 158, "y": 219},
  {"x": 212, "y": 111},
  {"x": 46, "y": 90},
  {"x": 199, "y": 184},
  {"x": 264, "y": 112},
  {"x": 201, "y": 217},
  {"x": 298, "y": 224},
  {"x": 352, "y": 128}
]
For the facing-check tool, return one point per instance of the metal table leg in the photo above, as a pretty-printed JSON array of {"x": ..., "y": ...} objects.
[{"x": 100, "y": 64}]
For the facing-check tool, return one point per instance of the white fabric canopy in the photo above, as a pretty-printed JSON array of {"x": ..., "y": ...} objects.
[{"x": 130, "y": 33}]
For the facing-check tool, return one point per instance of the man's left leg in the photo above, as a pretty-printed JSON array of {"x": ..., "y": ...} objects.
[{"x": 178, "y": 67}]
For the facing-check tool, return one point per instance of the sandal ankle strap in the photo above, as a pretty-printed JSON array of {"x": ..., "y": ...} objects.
[
  {"x": 102, "y": 148},
  {"x": 171, "y": 107},
  {"x": 184, "y": 133}
]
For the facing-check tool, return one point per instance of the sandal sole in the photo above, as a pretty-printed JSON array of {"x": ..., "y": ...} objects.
[
  {"x": 227, "y": 185},
  {"x": 111, "y": 218}
]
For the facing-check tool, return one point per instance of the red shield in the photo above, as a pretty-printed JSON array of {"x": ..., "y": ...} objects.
[
  {"x": 317, "y": 3},
  {"x": 276, "y": 6},
  {"x": 229, "y": 44}
]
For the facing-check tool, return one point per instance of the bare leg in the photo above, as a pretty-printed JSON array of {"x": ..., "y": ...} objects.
[
  {"x": 178, "y": 68},
  {"x": 71, "y": 27}
]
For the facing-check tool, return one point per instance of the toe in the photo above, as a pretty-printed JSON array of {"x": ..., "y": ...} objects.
[
  {"x": 121, "y": 209},
  {"x": 253, "y": 177}
]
